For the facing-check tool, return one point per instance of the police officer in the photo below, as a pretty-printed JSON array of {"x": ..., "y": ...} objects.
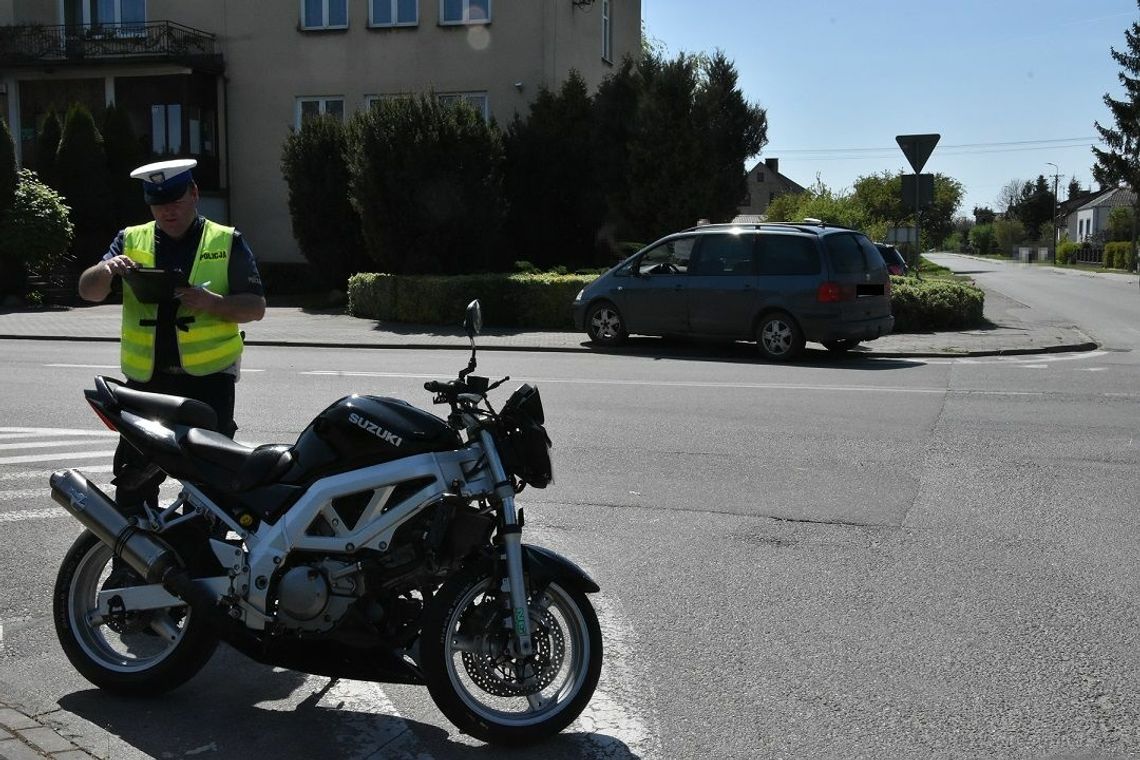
[{"x": 186, "y": 342}]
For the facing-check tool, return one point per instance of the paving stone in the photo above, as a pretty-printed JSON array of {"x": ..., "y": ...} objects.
[
  {"x": 9, "y": 718},
  {"x": 14, "y": 749},
  {"x": 72, "y": 754},
  {"x": 46, "y": 739}
]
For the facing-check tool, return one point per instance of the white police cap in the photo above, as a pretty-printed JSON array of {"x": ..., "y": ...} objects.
[{"x": 165, "y": 181}]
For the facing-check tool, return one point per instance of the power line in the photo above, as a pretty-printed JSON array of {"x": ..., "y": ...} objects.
[{"x": 963, "y": 148}]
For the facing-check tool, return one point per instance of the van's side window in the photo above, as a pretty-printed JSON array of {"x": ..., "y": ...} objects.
[
  {"x": 671, "y": 257},
  {"x": 845, "y": 253},
  {"x": 788, "y": 255},
  {"x": 725, "y": 255}
]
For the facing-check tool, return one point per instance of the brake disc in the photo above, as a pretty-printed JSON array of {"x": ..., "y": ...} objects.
[{"x": 503, "y": 675}]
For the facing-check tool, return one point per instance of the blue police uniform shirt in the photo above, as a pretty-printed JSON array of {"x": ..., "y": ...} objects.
[{"x": 171, "y": 254}]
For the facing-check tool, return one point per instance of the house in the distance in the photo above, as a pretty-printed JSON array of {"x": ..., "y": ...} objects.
[
  {"x": 765, "y": 184},
  {"x": 1088, "y": 220}
]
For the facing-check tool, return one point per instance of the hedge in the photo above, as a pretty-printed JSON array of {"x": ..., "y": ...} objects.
[
  {"x": 1119, "y": 256},
  {"x": 543, "y": 300},
  {"x": 928, "y": 305},
  {"x": 1066, "y": 252},
  {"x": 515, "y": 300}
]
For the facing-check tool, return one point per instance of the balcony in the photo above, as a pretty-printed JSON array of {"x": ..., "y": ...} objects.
[{"x": 152, "y": 42}]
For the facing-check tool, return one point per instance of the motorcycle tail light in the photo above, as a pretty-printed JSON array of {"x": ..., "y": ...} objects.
[{"x": 106, "y": 420}]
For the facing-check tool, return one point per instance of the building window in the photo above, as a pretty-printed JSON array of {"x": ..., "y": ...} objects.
[
  {"x": 307, "y": 108},
  {"x": 166, "y": 129},
  {"x": 478, "y": 101},
  {"x": 759, "y": 175},
  {"x": 324, "y": 14},
  {"x": 607, "y": 31},
  {"x": 464, "y": 11},
  {"x": 104, "y": 12},
  {"x": 393, "y": 12}
]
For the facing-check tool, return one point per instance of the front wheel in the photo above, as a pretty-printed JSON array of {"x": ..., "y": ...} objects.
[
  {"x": 604, "y": 324},
  {"x": 131, "y": 653},
  {"x": 485, "y": 690}
]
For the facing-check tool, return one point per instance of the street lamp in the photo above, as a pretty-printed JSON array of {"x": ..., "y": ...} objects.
[{"x": 1056, "y": 232}]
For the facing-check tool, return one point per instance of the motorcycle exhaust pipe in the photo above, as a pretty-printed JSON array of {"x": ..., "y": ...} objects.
[{"x": 147, "y": 555}]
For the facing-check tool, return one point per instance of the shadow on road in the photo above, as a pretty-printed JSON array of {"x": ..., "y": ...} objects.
[
  {"x": 236, "y": 708},
  {"x": 740, "y": 352}
]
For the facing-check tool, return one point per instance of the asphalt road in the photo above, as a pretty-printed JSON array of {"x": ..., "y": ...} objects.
[{"x": 839, "y": 559}]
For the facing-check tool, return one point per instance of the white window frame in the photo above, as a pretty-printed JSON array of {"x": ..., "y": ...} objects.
[
  {"x": 607, "y": 31},
  {"x": 466, "y": 20},
  {"x": 395, "y": 12},
  {"x": 372, "y": 100},
  {"x": 322, "y": 102},
  {"x": 483, "y": 106},
  {"x": 324, "y": 15}
]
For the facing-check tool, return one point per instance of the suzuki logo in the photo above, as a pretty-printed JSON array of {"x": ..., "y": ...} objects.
[{"x": 376, "y": 430}]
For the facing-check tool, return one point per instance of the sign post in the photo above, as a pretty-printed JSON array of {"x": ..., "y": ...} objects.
[{"x": 917, "y": 149}]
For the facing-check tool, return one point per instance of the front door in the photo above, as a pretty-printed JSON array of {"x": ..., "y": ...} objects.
[{"x": 653, "y": 301}]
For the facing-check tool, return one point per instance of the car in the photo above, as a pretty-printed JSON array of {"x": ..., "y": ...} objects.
[
  {"x": 777, "y": 283},
  {"x": 896, "y": 263}
]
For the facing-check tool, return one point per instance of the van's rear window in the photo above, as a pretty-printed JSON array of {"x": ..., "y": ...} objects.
[{"x": 845, "y": 254}]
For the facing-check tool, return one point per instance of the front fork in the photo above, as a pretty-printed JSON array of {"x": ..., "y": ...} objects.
[{"x": 510, "y": 533}]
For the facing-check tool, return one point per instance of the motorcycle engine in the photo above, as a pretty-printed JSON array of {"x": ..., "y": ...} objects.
[{"x": 307, "y": 600}]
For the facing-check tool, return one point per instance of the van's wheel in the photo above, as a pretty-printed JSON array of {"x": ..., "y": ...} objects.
[
  {"x": 778, "y": 337},
  {"x": 605, "y": 325},
  {"x": 134, "y": 653},
  {"x": 841, "y": 346}
]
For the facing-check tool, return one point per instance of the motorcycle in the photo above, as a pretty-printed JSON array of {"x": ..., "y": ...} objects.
[{"x": 383, "y": 545}]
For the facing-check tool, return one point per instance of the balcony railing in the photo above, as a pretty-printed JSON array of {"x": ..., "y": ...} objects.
[{"x": 153, "y": 41}]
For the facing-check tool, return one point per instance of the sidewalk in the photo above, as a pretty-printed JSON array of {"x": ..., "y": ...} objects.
[{"x": 1017, "y": 330}]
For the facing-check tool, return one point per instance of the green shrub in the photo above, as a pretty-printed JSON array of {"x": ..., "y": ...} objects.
[
  {"x": 925, "y": 306},
  {"x": 530, "y": 300},
  {"x": 35, "y": 231},
  {"x": 1066, "y": 252},
  {"x": 1119, "y": 255}
]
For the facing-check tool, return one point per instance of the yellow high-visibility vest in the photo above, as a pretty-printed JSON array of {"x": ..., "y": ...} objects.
[{"x": 206, "y": 344}]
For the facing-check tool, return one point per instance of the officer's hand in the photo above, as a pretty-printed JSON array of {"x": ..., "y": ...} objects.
[
  {"x": 198, "y": 299},
  {"x": 120, "y": 265}
]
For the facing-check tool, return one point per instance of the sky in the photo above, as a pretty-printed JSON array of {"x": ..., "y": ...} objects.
[{"x": 1010, "y": 85}]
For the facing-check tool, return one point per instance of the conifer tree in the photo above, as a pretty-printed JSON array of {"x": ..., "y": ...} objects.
[
  {"x": 81, "y": 168},
  {"x": 9, "y": 179},
  {"x": 47, "y": 145},
  {"x": 1121, "y": 162}
]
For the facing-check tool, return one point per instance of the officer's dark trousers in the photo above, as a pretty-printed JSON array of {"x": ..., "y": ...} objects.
[{"x": 133, "y": 484}]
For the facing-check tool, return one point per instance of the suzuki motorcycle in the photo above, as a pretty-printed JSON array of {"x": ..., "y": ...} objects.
[{"x": 384, "y": 545}]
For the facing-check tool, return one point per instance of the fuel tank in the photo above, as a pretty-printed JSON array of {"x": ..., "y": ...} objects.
[{"x": 358, "y": 431}]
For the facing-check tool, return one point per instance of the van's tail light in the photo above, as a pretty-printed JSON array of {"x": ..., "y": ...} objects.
[{"x": 833, "y": 292}]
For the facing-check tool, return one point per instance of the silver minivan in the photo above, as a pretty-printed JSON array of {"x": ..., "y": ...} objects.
[{"x": 779, "y": 284}]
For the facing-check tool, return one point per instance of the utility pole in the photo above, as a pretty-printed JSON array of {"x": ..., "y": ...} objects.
[{"x": 1056, "y": 231}]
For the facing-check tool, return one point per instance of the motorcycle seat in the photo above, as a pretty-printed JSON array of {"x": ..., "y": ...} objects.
[
  {"x": 173, "y": 410},
  {"x": 244, "y": 467}
]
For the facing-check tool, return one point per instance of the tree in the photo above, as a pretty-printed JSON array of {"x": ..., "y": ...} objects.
[
  {"x": 426, "y": 179},
  {"x": 35, "y": 232},
  {"x": 47, "y": 145},
  {"x": 1119, "y": 227},
  {"x": 984, "y": 215},
  {"x": 614, "y": 110},
  {"x": 124, "y": 154},
  {"x": 1121, "y": 161},
  {"x": 1010, "y": 195},
  {"x": 9, "y": 179},
  {"x": 1008, "y": 233},
  {"x": 556, "y": 208},
  {"x": 81, "y": 167},
  {"x": 982, "y": 238},
  {"x": 1074, "y": 189},
  {"x": 732, "y": 130},
  {"x": 1035, "y": 207},
  {"x": 325, "y": 225}
]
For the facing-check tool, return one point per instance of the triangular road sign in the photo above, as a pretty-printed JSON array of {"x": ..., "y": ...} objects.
[{"x": 917, "y": 148}]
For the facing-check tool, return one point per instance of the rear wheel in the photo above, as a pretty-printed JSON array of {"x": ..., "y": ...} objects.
[
  {"x": 133, "y": 653},
  {"x": 481, "y": 686},
  {"x": 778, "y": 337},
  {"x": 605, "y": 325},
  {"x": 841, "y": 346}
]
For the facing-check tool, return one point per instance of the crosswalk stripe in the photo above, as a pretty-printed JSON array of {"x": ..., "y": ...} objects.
[
  {"x": 32, "y": 431},
  {"x": 57, "y": 456},
  {"x": 41, "y": 444},
  {"x": 35, "y": 474}
]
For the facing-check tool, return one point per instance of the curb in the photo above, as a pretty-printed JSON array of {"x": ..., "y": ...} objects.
[{"x": 23, "y": 737}]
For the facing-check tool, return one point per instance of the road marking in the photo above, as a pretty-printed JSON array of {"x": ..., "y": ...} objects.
[
  {"x": 39, "y": 444},
  {"x": 84, "y": 366},
  {"x": 57, "y": 456},
  {"x": 33, "y": 474},
  {"x": 33, "y": 514},
  {"x": 25, "y": 432}
]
